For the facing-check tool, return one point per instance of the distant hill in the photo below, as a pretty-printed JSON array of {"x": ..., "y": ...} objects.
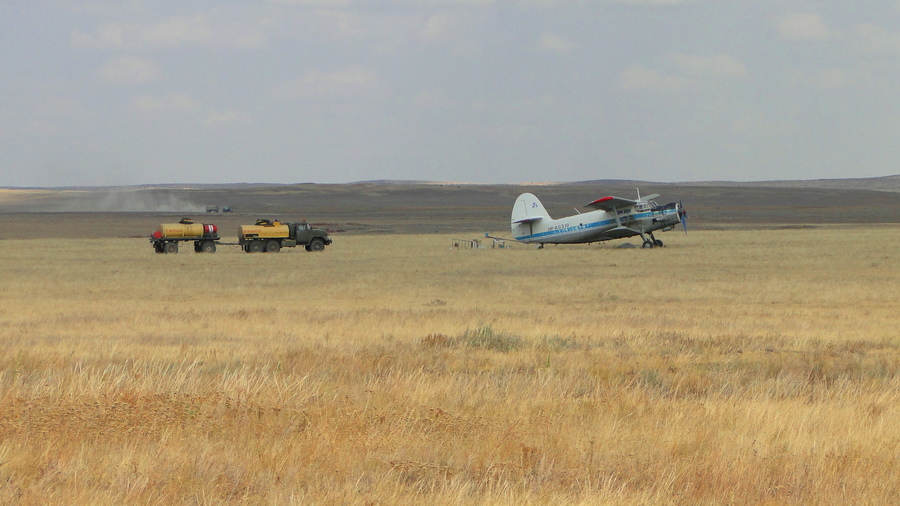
[
  {"x": 427, "y": 207},
  {"x": 885, "y": 183}
]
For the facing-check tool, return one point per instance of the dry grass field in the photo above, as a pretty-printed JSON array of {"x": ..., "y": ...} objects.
[{"x": 730, "y": 367}]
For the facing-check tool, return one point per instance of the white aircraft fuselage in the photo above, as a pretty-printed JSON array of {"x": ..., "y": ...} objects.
[{"x": 614, "y": 218}]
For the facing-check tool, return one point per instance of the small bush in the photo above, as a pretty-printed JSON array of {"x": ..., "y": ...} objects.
[
  {"x": 559, "y": 342},
  {"x": 438, "y": 341},
  {"x": 489, "y": 339}
]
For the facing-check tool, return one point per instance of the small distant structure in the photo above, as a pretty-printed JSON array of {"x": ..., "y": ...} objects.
[
  {"x": 466, "y": 243},
  {"x": 496, "y": 242}
]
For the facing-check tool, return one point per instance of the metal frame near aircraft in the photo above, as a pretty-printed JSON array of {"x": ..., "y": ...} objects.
[{"x": 612, "y": 218}]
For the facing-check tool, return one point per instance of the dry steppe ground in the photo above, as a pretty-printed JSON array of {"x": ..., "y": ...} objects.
[{"x": 733, "y": 366}]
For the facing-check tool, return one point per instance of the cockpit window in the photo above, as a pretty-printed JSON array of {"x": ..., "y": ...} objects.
[{"x": 646, "y": 206}]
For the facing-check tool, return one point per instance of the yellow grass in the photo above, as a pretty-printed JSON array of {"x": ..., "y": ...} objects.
[{"x": 745, "y": 366}]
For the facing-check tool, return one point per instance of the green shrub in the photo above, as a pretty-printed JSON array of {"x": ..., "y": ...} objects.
[{"x": 487, "y": 338}]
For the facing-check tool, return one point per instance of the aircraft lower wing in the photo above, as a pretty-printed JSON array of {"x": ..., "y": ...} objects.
[{"x": 621, "y": 232}]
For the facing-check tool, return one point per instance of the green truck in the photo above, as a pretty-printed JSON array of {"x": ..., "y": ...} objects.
[{"x": 272, "y": 235}]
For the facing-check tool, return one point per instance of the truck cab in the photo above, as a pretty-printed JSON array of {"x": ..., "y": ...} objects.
[{"x": 314, "y": 239}]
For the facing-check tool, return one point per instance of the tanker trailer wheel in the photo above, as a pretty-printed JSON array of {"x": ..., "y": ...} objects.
[
  {"x": 207, "y": 247},
  {"x": 316, "y": 245},
  {"x": 170, "y": 247},
  {"x": 158, "y": 247},
  {"x": 255, "y": 247},
  {"x": 273, "y": 247}
]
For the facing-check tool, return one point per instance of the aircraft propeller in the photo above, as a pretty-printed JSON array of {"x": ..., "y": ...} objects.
[{"x": 683, "y": 215}]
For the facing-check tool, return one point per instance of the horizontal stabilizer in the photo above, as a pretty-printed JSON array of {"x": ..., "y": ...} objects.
[{"x": 529, "y": 220}]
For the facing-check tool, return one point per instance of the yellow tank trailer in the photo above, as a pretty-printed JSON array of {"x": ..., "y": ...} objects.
[
  {"x": 173, "y": 230},
  {"x": 272, "y": 235},
  {"x": 168, "y": 235}
]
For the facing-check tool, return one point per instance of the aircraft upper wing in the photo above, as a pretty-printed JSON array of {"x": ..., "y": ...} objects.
[{"x": 610, "y": 203}]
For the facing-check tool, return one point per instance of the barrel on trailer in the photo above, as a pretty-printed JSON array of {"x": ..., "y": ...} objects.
[
  {"x": 167, "y": 236},
  {"x": 184, "y": 230}
]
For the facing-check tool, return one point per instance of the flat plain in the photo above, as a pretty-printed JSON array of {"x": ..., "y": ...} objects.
[
  {"x": 750, "y": 366},
  {"x": 754, "y": 360}
]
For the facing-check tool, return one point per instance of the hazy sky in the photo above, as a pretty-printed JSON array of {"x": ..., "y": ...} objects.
[{"x": 284, "y": 91}]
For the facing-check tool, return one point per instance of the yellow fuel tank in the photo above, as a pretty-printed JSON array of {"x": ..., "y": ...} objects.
[
  {"x": 173, "y": 230},
  {"x": 264, "y": 230}
]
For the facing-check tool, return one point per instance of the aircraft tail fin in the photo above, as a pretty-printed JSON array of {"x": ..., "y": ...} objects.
[{"x": 528, "y": 209}]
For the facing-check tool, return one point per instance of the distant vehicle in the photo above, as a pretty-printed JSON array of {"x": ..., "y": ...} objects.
[
  {"x": 226, "y": 209},
  {"x": 272, "y": 235},
  {"x": 212, "y": 209},
  {"x": 168, "y": 235},
  {"x": 613, "y": 218}
]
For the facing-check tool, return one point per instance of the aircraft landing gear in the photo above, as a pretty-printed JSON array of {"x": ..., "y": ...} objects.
[{"x": 651, "y": 242}]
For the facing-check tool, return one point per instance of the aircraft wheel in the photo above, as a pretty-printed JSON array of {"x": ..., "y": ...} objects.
[
  {"x": 658, "y": 243},
  {"x": 647, "y": 244}
]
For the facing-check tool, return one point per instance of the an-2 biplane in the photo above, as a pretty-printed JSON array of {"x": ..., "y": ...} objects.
[{"x": 612, "y": 218}]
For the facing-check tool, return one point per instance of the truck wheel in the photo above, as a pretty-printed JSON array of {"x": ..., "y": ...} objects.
[
  {"x": 158, "y": 247},
  {"x": 273, "y": 247},
  {"x": 207, "y": 247},
  {"x": 316, "y": 245},
  {"x": 170, "y": 247},
  {"x": 255, "y": 247}
]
